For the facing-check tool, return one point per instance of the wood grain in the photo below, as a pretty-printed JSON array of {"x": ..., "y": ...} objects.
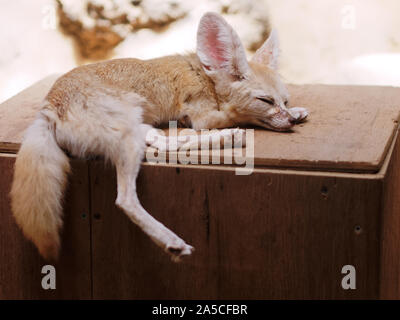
[
  {"x": 350, "y": 127},
  {"x": 20, "y": 264},
  {"x": 390, "y": 236},
  {"x": 265, "y": 236}
]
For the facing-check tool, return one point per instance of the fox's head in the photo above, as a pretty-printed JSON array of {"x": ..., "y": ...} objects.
[{"x": 250, "y": 91}]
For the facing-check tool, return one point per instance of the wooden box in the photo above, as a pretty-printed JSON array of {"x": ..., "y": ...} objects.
[{"x": 322, "y": 197}]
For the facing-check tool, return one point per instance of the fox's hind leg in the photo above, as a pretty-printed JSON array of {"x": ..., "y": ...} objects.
[{"x": 128, "y": 164}]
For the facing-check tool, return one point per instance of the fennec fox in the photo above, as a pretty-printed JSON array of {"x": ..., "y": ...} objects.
[{"x": 107, "y": 108}]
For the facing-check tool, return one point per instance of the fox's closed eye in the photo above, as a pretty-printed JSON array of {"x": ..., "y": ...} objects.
[{"x": 268, "y": 100}]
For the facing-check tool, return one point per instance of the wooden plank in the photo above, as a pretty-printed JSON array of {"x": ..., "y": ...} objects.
[
  {"x": 264, "y": 236},
  {"x": 20, "y": 264},
  {"x": 390, "y": 237},
  {"x": 126, "y": 261},
  {"x": 350, "y": 127}
]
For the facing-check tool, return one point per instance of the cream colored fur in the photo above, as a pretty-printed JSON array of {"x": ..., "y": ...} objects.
[
  {"x": 39, "y": 182},
  {"x": 108, "y": 108}
]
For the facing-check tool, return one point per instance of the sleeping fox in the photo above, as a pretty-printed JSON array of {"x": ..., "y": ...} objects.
[{"x": 108, "y": 108}]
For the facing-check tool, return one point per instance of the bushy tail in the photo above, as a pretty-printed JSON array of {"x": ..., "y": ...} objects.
[{"x": 40, "y": 178}]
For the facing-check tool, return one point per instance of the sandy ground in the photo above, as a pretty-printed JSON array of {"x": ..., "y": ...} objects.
[{"x": 330, "y": 41}]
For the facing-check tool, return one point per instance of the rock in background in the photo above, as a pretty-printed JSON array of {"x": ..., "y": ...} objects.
[{"x": 100, "y": 26}]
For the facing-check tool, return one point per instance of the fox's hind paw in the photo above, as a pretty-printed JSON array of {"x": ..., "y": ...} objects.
[
  {"x": 179, "y": 250},
  {"x": 300, "y": 114}
]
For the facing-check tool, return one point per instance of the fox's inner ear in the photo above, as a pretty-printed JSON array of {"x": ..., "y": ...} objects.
[
  {"x": 268, "y": 53},
  {"x": 219, "y": 47}
]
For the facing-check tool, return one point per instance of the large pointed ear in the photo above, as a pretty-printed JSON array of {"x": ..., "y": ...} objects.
[
  {"x": 219, "y": 47},
  {"x": 268, "y": 53}
]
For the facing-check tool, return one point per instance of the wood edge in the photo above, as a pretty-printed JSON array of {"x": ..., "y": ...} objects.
[
  {"x": 8, "y": 155},
  {"x": 368, "y": 176},
  {"x": 8, "y": 147},
  {"x": 285, "y": 171},
  {"x": 386, "y": 160},
  {"x": 389, "y": 144}
]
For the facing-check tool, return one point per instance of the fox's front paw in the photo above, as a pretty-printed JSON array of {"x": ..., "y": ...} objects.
[
  {"x": 236, "y": 136},
  {"x": 239, "y": 138},
  {"x": 299, "y": 114},
  {"x": 178, "y": 250}
]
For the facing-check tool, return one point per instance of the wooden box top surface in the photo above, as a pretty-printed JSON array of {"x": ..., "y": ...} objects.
[{"x": 350, "y": 128}]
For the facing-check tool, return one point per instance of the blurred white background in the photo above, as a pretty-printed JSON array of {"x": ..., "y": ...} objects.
[{"x": 330, "y": 41}]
